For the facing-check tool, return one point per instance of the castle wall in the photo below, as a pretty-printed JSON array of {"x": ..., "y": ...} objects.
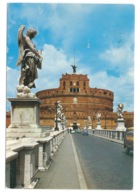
[{"x": 76, "y": 96}]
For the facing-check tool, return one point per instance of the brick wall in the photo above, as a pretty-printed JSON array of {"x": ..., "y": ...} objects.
[{"x": 76, "y": 96}]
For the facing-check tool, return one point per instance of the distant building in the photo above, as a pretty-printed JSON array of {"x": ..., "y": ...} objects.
[{"x": 79, "y": 101}]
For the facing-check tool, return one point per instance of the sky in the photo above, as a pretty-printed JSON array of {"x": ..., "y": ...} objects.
[{"x": 100, "y": 36}]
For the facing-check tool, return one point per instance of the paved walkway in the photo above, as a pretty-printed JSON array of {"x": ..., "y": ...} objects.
[{"x": 65, "y": 171}]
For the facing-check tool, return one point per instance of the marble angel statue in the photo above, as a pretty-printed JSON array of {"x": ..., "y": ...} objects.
[
  {"x": 29, "y": 58},
  {"x": 120, "y": 110},
  {"x": 98, "y": 117}
]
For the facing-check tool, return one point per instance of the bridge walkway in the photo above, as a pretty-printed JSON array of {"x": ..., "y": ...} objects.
[{"x": 65, "y": 171}]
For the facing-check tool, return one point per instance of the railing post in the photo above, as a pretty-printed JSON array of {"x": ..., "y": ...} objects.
[
  {"x": 27, "y": 164},
  {"x": 11, "y": 176},
  {"x": 116, "y": 135},
  {"x": 121, "y": 135},
  {"x": 107, "y": 133},
  {"x": 51, "y": 147},
  {"x": 41, "y": 157},
  {"x": 8, "y": 175}
]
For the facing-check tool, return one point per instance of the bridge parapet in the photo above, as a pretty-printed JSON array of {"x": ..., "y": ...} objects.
[
  {"x": 26, "y": 156},
  {"x": 111, "y": 134}
]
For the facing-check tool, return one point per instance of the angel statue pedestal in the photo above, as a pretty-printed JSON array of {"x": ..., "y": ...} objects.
[
  {"x": 57, "y": 124},
  {"x": 98, "y": 127},
  {"x": 120, "y": 120},
  {"x": 120, "y": 125},
  {"x": 25, "y": 121},
  {"x": 89, "y": 126}
]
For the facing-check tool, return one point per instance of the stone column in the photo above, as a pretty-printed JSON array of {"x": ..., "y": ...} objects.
[
  {"x": 8, "y": 175},
  {"x": 28, "y": 168},
  {"x": 54, "y": 144},
  {"x": 111, "y": 134},
  {"x": 51, "y": 147},
  {"x": 18, "y": 172},
  {"x": 116, "y": 135},
  {"x": 48, "y": 153},
  {"x": 27, "y": 165},
  {"x": 10, "y": 156},
  {"x": 36, "y": 156},
  {"x": 121, "y": 135},
  {"x": 40, "y": 157}
]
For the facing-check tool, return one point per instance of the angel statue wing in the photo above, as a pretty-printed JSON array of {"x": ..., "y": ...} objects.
[
  {"x": 21, "y": 41},
  {"x": 122, "y": 106}
]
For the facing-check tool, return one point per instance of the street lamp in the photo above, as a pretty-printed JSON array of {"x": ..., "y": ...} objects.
[
  {"x": 105, "y": 119},
  {"x": 56, "y": 124},
  {"x": 74, "y": 120}
]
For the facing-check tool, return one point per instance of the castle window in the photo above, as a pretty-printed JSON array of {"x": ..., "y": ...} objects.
[
  {"x": 71, "y": 83},
  {"x": 105, "y": 92},
  {"x": 77, "y": 83},
  {"x": 74, "y": 90}
]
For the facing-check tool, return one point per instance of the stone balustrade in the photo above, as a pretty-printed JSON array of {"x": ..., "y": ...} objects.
[
  {"x": 26, "y": 156},
  {"x": 117, "y": 135}
]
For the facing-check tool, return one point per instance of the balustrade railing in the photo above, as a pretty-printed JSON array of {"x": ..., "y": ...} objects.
[
  {"x": 27, "y": 156},
  {"x": 118, "y": 135}
]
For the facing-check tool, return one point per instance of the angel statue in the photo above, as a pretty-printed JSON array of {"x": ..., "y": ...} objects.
[
  {"x": 120, "y": 110},
  {"x": 98, "y": 117},
  {"x": 29, "y": 58},
  {"x": 59, "y": 110},
  {"x": 74, "y": 68}
]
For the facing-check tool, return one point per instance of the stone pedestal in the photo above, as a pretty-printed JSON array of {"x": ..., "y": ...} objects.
[
  {"x": 120, "y": 125},
  {"x": 58, "y": 124},
  {"x": 25, "y": 119},
  {"x": 89, "y": 126},
  {"x": 98, "y": 127}
]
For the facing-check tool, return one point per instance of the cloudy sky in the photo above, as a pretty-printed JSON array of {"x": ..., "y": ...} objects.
[{"x": 100, "y": 35}]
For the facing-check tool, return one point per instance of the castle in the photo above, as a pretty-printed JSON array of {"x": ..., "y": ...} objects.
[{"x": 79, "y": 101}]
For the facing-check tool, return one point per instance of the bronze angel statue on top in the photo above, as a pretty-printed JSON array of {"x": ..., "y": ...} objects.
[{"x": 29, "y": 58}]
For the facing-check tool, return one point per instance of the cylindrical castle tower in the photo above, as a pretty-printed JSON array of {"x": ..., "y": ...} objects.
[{"x": 77, "y": 98}]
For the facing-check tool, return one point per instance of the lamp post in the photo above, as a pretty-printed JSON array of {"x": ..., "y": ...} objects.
[
  {"x": 74, "y": 120},
  {"x": 105, "y": 119},
  {"x": 56, "y": 124}
]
